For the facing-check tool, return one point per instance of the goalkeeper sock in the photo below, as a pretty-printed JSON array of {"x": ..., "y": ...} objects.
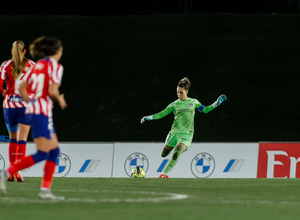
[
  {"x": 165, "y": 152},
  {"x": 177, "y": 152}
]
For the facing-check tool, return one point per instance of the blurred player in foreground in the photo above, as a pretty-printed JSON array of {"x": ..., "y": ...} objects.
[
  {"x": 12, "y": 71},
  {"x": 181, "y": 135},
  {"x": 44, "y": 79}
]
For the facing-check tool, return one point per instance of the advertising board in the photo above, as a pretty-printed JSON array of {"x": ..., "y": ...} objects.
[
  {"x": 75, "y": 160},
  {"x": 202, "y": 160},
  {"x": 279, "y": 160}
]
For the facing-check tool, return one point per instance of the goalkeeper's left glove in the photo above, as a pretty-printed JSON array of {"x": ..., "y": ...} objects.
[
  {"x": 146, "y": 118},
  {"x": 220, "y": 100}
]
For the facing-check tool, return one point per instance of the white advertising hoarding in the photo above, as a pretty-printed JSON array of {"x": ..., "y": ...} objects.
[
  {"x": 75, "y": 160},
  {"x": 202, "y": 160}
]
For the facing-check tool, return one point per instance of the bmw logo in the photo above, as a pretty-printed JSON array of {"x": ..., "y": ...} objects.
[
  {"x": 136, "y": 160},
  {"x": 63, "y": 165},
  {"x": 203, "y": 165}
]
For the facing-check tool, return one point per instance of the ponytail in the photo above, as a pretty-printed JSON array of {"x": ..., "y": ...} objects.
[{"x": 18, "y": 58}]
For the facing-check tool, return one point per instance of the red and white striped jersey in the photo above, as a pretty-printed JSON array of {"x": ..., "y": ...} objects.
[
  {"x": 44, "y": 73},
  {"x": 12, "y": 97}
]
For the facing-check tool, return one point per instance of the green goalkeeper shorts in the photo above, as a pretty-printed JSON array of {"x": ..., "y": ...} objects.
[{"x": 175, "y": 138}]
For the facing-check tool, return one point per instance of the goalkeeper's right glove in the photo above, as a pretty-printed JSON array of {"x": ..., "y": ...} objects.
[{"x": 146, "y": 118}]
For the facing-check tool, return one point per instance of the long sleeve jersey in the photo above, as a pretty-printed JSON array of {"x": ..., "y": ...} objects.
[{"x": 184, "y": 114}]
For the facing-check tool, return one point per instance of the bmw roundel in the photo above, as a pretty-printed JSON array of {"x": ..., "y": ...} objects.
[
  {"x": 202, "y": 165},
  {"x": 63, "y": 165}
]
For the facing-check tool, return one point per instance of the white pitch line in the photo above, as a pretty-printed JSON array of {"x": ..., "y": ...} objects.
[
  {"x": 164, "y": 197},
  {"x": 261, "y": 202},
  {"x": 169, "y": 196}
]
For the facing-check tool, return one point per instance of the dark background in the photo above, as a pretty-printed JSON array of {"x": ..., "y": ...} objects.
[
  {"x": 141, "y": 7},
  {"x": 123, "y": 60}
]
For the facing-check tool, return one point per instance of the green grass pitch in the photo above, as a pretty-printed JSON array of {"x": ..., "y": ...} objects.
[{"x": 125, "y": 198}]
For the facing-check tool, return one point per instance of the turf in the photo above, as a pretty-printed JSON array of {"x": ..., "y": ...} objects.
[{"x": 125, "y": 198}]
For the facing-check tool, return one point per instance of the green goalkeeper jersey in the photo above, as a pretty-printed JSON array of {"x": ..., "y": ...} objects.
[{"x": 184, "y": 113}]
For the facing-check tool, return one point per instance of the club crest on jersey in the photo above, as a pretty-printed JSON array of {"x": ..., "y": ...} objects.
[{"x": 191, "y": 105}]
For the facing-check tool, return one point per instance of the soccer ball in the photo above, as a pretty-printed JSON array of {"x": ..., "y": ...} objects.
[{"x": 138, "y": 172}]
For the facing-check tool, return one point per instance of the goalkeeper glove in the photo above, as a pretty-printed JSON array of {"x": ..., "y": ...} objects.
[
  {"x": 222, "y": 98},
  {"x": 146, "y": 118}
]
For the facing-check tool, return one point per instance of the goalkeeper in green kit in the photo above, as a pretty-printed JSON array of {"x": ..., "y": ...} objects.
[{"x": 181, "y": 135}]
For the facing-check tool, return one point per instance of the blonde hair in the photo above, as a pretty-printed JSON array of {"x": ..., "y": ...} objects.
[
  {"x": 18, "y": 58},
  {"x": 185, "y": 83}
]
